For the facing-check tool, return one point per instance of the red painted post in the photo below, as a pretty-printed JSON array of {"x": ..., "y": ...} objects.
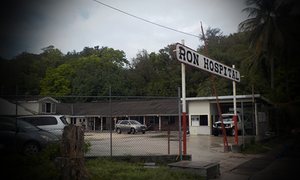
[
  {"x": 168, "y": 139},
  {"x": 184, "y": 131},
  {"x": 236, "y": 138}
]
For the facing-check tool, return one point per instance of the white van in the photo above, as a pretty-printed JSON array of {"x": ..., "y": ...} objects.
[{"x": 52, "y": 123}]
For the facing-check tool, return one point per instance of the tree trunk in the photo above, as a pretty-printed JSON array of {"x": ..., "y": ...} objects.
[{"x": 72, "y": 152}]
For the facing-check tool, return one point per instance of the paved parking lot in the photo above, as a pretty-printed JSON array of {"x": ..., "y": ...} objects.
[{"x": 202, "y": 147}]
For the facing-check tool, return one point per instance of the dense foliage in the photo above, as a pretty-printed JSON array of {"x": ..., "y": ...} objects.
[
  {"x": 265, "y": 51},
  {"x": 93, "y": 70}
]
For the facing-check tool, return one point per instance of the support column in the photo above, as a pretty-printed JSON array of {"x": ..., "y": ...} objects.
[
  {"x": 235, "y": 118},
  {"x": 101, "y": 124},
  {"x": 159, "y": 123},
  {"x": 94, "y": 124},
  {"x": 183, "y": 105}
]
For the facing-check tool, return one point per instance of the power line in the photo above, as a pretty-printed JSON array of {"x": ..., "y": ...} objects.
[{"x": 145, "y": 20}]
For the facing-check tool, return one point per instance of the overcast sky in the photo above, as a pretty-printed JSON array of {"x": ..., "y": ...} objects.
[{"x": 30, "y": 25}]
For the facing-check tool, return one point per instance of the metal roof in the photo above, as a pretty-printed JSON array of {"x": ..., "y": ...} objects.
[
  {"x": 248, "y": 98},
  {"x": 121, "y": 108}
]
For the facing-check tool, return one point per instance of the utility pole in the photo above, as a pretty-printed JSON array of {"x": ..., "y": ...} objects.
[{"x": 214, "y": 92}]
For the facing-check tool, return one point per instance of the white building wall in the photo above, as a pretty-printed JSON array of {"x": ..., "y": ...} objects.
[{"x": 199, "y": 108}]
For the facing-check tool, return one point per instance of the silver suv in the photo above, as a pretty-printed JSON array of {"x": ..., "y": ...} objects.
[
  {"x": 52, "y": 123},
  {"x": 129, "y": 126}
]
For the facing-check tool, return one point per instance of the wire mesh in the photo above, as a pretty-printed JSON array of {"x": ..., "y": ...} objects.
[{"x": 98, "y": 115}]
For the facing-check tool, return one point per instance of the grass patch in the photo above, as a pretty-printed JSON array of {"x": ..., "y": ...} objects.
[
  {"x": 109, "y": 169},
  {"x": 256, "y": 148},
  {"x": 263, "y": 147},
  {"x": 43, "y": 166}
]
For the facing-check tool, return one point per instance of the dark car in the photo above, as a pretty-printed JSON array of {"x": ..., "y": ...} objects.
[
  {"x": 130, "y": 126},
  {"x": 20, "y": 136}
]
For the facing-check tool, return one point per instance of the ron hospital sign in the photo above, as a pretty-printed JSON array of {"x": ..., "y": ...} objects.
[{"x": 191, "y": 57}]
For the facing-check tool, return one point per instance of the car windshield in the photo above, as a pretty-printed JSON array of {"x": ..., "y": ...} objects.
[
  {"x": 134, "y": 122},
  {"x": 63, "y": 119},
  {"x": 227, "y": 118}
]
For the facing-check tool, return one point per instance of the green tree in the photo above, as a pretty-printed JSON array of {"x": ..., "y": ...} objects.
[
  {"x": 115, "y": 56},
  {"x": 229, "y": 50},
  {"x": 93, "y": 76},
  {"x": 51, "y": 57},
  {"x": 57, "y": 81},
  {"x": 274, "y": 36},
  {"x": 266, "y": 36},
  {"x": 156, "y": 73},
  {"x": 87, "y": 73},
  {"x": 20, "y": 75}
]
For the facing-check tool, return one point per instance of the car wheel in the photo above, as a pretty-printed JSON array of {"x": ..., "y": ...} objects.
[
  {"x": 31, "y": 148},
  {"x": 132, "y": 130},
  {"x": 216, "y": 132},
  {"x": 119, "y": 131},
  {"x": 143, "y": 132}
]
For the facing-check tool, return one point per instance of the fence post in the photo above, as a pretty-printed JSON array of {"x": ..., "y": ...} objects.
[{"x": 179, "y": 119}]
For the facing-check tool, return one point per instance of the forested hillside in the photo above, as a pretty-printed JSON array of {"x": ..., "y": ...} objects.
[
  {"x": 265, "y": 51},
  {"x": 93, "y": 70}
]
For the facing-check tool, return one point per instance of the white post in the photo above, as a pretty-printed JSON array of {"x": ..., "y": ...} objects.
[
  {"x": 234, "y": 94},
  {"x": 235, "y": 117},
  {"x": 184, "y": 123},
  {"x": 183, "y": 84}
]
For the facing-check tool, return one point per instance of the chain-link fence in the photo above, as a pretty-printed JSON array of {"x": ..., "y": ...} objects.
[
  {"x": 100, "y": 117},
  {"x": 113, "y": 125}
]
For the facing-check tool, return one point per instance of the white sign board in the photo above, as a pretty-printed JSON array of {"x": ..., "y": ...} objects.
[{"x": 191, "y": 57}]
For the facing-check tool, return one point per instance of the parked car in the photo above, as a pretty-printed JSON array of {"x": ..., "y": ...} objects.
[
  {"x": 129, "y": 126},
  {"x": 246, "y": 126},
  {"x": 17, "y": 135},
  {"x": 228, "y": 124},
  {"x": 52, "y": 123}
]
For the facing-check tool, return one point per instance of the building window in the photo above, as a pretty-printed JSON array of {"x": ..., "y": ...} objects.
[
  {"x": 199, "y": 120},
  {"x": 73, "y": 120},
  {"x": 195, "y": 120},
  {"x": 48, "y": 108},
  {"x": 203, "y": 120}
]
